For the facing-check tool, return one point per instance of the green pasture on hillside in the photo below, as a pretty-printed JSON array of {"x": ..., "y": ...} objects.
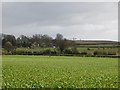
[{"x": 59, "y": 72}]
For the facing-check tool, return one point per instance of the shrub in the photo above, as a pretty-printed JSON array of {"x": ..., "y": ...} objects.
[
  {"x": 53, "y": 52},
  {"x": 14, "y": 52},
  {"x": 75, "y": 51},
  {"x": 83, "y": 53},
  {"x": 68, "y": 51},
  {"x": 47, "y": 52},
  {"x": 8, "y": 46},
  {"x": 100, "y": 53},
  {"x": 18, "y": 52},
  {"x": 90, "y": 53},
  {"x": 112, "y": 53},
  {"x": 88, "y": 48},
  {"x": 29, "y": 53},
  {"x": 36, "y": 53}
]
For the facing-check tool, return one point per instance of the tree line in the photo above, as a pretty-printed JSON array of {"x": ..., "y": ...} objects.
[
  {"x": 39, "y": 44},
  {"x": 10, "y": 42}
]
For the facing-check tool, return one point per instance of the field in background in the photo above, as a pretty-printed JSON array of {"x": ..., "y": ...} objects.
[
  {"x": 59, "y": 72},
  {"x": 80, "y": 51}
]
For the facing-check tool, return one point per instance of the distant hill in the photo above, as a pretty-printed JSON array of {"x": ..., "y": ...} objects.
[{"x": 96, "y": 43}]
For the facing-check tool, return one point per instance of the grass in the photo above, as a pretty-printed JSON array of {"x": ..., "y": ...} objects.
[
  {"x": 33, "y": 49},
  {"x": 59, "y": 72}
]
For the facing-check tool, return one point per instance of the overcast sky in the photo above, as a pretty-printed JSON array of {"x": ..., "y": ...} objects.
[{"x": 81, "y": 20}]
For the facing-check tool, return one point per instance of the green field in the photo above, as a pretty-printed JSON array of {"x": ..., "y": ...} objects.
[{"x": 59, "y": 72}]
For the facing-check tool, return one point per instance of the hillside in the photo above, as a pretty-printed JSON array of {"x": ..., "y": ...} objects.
[{"x": 96, "y": 43}]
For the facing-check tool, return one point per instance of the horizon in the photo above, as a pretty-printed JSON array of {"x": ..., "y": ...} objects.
[{"x": 75, "y": 39}]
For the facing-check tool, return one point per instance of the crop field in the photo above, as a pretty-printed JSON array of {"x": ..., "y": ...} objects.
[{"x": 59, "y": 72}]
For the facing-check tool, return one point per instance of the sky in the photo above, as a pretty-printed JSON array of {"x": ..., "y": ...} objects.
[{"x": 81, "y": 20}]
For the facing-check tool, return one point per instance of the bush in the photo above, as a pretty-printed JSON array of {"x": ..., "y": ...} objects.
[
  {"x": 46, "y": 52},
  {"x": 14, "y": 52},
  {"x": 4, "y": 52},
  {"x": 37, "y": 53},
  {"x": 19, "y": 52},
  {"x": 75, "y": 51},
  {"x": 112, "y": 53},
  {"x": 100, "y": 53},
  {"x": 53, "y": 52},
  {"x": 8, "y": 46},
  {"x": 71, "y": 51},
  {"x": 88, "y": 48},
  {"x": 68, "y": 51},
  {"x": 29, "y": 53},
  {"x": 90, "y": 53},
  {"x": 83, "y": 53}
]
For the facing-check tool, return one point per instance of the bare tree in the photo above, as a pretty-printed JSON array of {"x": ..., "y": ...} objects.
[{"x": 62, "y": 43}]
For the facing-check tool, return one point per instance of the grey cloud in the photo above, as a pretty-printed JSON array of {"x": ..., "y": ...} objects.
[{"x": 81, "y": 20}]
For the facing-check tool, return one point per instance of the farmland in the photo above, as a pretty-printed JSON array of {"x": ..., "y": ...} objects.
[{"x": 59, "y": 72}]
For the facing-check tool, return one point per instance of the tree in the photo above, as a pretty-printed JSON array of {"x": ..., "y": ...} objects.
[
  {"x": 18, "y": 42},
  {"x": 36, "y": 38},
  {"x": 25, "y": 41},
  {"x": 61, "y": 42},
  {"x": 46, "y": 40},
  {"x": 9, "y": 38},
  {"x": 59, "y": 37},
  {"x": 8, "y": 46}
]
